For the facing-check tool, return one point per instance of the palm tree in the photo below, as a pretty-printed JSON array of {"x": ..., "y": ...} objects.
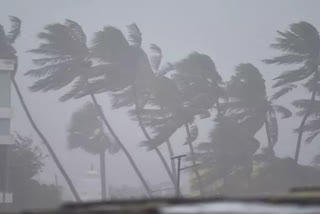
[
  {"x": 68, "y": 61},
  {"x": 300, "y": 45},
  {"x": 6, "y": 42},
  {"x": 129, "y": 74},
  {"x": 86, "y": 131},
  {"x": 192, "y": 91},
  {"x": 248, "y": 103},
  {"x": 200, "y": 85}
]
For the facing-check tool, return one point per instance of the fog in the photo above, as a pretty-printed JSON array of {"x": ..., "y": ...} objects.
[{"x": 229, "y": 32}]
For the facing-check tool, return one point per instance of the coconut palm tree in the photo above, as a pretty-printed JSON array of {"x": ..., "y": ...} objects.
[
  {"x": 300, "y": 45},
  {"x": 67, "y": 61},
  {"x": 129, "y": 74},
  {"x": 200, "y": 85},
  {"x": 191, "y": 91},
  {"x": 86, "y": 131},
  {"x": 248, "y": 103},
  {"x": 7, "y": 50}
]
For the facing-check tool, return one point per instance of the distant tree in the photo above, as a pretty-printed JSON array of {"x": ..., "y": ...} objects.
[
  {"x": 300, "y": 45},
  {"x": 86, "y": 131},
  {"x": 230, "y": 149},
  {"x": 282, "y": 174},
  {"x": 26, "y": 161},
  {"x": 68, "y": 61},
  {"x": 7, "y": 51}
]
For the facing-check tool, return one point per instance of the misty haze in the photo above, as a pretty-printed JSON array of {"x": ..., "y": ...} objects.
[{"x": 109, "y": 100}]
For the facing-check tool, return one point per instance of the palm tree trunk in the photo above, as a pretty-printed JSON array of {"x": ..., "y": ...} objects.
[
  {"x": 171, "y": 153},
  {"x": 266, "y": 124},
  {"x": 147, "y": 136},
  {"x": 304, "y": 119},
  {"x": 103, "y": 175},
  {"x": 196, "y": 171},
  {"x": 45, "y": 141},
  {"x": 218, "y": 107},
  {"x": 123, "y": 148}
]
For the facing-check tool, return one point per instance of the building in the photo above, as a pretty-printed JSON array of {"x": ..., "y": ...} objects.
[
  {"x": 7, "y": 67},
  {"x": 89, "y": 185}
]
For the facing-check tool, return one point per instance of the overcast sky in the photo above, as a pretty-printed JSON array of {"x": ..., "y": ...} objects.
[{"x": 230, "y": 32}]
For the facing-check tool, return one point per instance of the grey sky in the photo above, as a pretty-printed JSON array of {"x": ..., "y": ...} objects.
[{"x": 231, "y": 32}]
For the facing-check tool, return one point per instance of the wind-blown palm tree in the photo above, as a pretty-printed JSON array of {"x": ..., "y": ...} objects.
[
  {"x": 86, "y": 131},
  {"x": 248, "y": 103},
  {"x": 200, "y": 85},
  {"x": 7, "y": 50},
  {"x": 67, "y": 61},
  {"x": 129, "y": 74},
  {"x": 192, "y": 91},
  {"x": 300, "y": 45}
]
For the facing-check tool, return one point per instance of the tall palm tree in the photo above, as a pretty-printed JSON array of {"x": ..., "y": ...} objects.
[
  {"x": 86, "y": 131},
  {"x": 249, "y": 107},
  {"x": 67, "y": 61},
  {"x": 299, "y": 45},
  {"x": 129, "y": 74},
  {"x": 7, "y": 50},
  {"x": 192, "y": 91},
  {"x": 200, "y": 85}
]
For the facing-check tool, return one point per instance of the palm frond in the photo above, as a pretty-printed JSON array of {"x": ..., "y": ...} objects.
[
  {"x": 311, "y": 136},
  {"x": 285, "y": 112},
  {"x": 312, "y": 84},
  {"x": 156, "y": 57},
  {"x": 48, "y": 70},
  {"x": 165, "y": 69},
  {"x": 284, "y": 90},
  {"x": 60, "y": 40},
  {"x": 301, "y": 103},
  {"x": 77, "y": 86},
  {"x": 123, "y": 98},
  {"x": 292, "y": 76},
  {"x": 135, "y": 35},
  {"x": 109, "y": 45},
  {"x": 286, "y": 59},
  {"x": 77, "y": 31},
  {"x": 299, "y": 44},
  {"x": 15, "y": 29}
]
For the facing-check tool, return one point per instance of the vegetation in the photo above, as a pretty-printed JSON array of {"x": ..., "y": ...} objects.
[
  {"x": 26, "y": 162},
  {"x": 164, "y": 98}
]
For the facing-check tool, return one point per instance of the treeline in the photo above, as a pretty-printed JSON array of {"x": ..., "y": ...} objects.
[{"x": 164, "y": 97}]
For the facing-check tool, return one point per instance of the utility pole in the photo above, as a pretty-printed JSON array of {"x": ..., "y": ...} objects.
[
  {"x": 178, "y": 194},
  {"x": 179, "y": 169}
]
